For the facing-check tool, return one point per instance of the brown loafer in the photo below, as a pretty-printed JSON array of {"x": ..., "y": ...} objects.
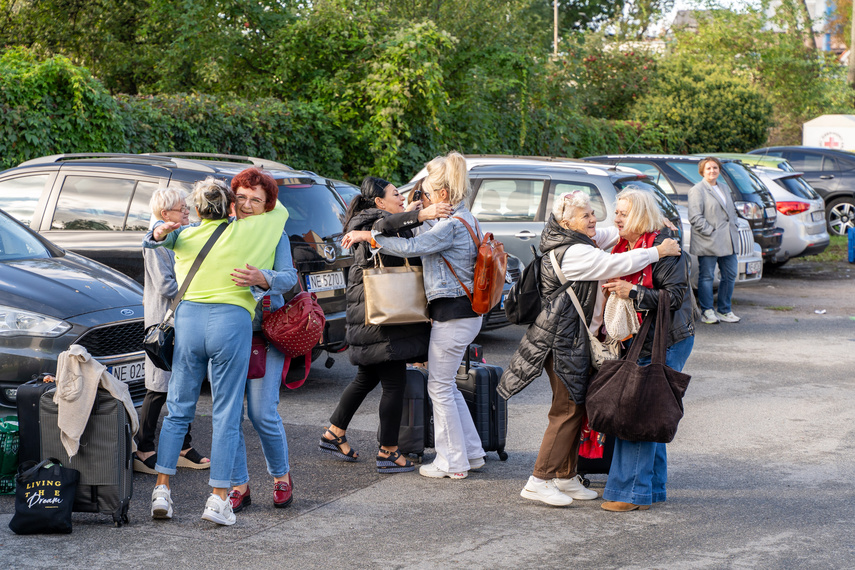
[{"x": 619, "y": 507}]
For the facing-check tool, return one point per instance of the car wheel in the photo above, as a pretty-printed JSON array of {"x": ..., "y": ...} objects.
[{"x": 840, "y": 215}]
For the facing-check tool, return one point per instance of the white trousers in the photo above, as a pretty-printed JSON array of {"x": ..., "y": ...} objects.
[{"x": 456, "y": 439}]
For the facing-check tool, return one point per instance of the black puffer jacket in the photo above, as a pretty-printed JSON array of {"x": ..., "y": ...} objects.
[
  {"x": 371, "y": 344},
  {"x": 669, "y": 273},
  {"x": 558, "y": 328}
]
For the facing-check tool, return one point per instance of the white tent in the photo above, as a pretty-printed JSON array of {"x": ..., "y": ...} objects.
[{"x": 830, "y": 131}]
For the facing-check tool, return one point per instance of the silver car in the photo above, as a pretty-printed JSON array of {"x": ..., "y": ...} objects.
[{"x": 801, "y": 214}]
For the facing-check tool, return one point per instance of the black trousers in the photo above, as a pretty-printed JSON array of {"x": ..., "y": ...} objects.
[
  {"x": 149, "y": 414},
  {"x": 392, "y": 376}
]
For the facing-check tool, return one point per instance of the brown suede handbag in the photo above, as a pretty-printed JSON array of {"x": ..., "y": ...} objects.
[{"x": 639, "y": 403}]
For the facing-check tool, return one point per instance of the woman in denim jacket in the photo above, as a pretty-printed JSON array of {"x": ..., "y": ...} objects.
[{"x": 455, "y": 324}]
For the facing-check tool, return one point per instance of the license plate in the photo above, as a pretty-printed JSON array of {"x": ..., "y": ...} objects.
[
  {"x": 753, "y": 267},
  {"x": 817, "y": 216},
  {"x": 129, "y": 371},
  {"x": 325, "y": 281}
]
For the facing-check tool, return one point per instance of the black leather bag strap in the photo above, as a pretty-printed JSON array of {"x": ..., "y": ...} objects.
[
  {"x": 29, "y": 469},
  {"x": 196, "y": 264}
]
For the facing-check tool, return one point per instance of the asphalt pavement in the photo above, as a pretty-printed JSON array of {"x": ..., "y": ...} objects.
[{"x": 761, "y": 472}]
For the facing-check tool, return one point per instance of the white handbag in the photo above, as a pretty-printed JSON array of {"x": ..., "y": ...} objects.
[
  {"x": 620, "y": 318},
  {"x": 600, "y": 351}
]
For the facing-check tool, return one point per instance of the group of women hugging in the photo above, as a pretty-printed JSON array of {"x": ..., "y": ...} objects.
[{"x": 251, "y": 261}]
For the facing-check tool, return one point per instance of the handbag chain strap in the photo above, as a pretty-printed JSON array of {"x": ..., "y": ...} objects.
[{"x": 194, "y": 268}]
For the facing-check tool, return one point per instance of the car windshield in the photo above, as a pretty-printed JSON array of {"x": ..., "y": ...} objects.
[
  {"x": 314, "y": 211},
  {"x": 798, "y": 186},
  {"x": 17, "y": 243},
  {"x": 746, "y": 182}
]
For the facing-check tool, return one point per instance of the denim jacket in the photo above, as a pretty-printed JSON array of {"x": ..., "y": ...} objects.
[
  {"x": 280, "y": 280},
  {"x": 446, "y": 238}
]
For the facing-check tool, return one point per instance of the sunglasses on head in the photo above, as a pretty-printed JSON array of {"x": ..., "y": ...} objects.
[{"x": 418, "y": 194}]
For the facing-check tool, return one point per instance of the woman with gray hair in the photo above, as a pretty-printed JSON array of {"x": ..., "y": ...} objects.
[
  {"x": 553, "y": 344},
  {"x": 213, "y": 323},
  {"x": 168, "y": 205}
]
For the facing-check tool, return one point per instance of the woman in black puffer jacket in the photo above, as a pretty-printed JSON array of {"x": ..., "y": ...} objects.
[{"x": 381, "y": 353}]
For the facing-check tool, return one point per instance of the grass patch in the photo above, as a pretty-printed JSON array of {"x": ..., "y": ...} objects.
[
  {"x": 780, "y": 308},
  {"x": 836, "y": 251}
]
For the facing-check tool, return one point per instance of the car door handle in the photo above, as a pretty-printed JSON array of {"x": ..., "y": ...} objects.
[
  {"x": 525, "y": 234},
  {"x": 826, "y": 177}
]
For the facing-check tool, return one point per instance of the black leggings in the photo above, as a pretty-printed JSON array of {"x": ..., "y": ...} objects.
[
  {"x": 392, "y": 376},
  {"x": 149, "y": 414}
]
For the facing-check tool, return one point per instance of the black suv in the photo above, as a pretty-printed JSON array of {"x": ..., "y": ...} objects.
[
  {"x": 677, "y": 174},
  {"x": 97, "y": 205},
  {"x": 831, "y": 173}
]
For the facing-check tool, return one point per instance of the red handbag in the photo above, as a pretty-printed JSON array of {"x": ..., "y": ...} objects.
[{"x": 295, "y": 329}]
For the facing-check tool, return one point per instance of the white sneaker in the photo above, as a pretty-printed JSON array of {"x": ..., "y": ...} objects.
[
  {"x": 545, "y": 492},
  {"x": 574, "y": 488},
  {"x": 219, "y": 511},
  {"x": 727, "y": 318},
  {"x": 161, "y": 503},
  {"x": 435, "y": 472},
  {"x": 477, "y": 463},
  {"x": 709, "y": 317}
]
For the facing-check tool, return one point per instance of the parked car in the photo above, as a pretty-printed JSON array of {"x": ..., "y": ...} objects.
[
  {"x": 801, "y": 214},
  {"x": 97, "y": 205},
  {"x": 346, "y": 191},
  {"x": 831, "y": 173},
  {"x": 677, "y": 174},
  {"x": 52, "y": 299},
  {"x": 512, "y": 197}
]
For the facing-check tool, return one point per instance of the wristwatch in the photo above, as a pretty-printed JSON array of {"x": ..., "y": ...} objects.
[{"x": 633, "y": 293}]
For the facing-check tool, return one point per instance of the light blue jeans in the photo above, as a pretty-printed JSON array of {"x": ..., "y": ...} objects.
[
  {"x": 728, "y": 267},
  {"x": 220, "y": 334},
  {"x": 262, "y": 402},
  {"x": 639, "y": 469}
]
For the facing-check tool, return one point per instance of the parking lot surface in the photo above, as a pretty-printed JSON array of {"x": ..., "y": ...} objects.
[{"x": 761, "y": 471}]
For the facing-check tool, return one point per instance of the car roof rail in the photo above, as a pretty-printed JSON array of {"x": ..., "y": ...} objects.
[
  {"x": 524, "y": 157},
  {"x": 255, "y": 161},
  {"x": 53, "y": 158}
]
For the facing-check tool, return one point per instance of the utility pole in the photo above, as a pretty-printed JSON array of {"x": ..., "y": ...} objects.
[{"x": 555, "y": 28}]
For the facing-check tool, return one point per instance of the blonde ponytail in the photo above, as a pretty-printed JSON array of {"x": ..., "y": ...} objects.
[{"x": 448, "y": 172}]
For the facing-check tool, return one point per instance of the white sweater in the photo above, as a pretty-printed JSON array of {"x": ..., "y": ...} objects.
[{"x": 586, "y": 263}]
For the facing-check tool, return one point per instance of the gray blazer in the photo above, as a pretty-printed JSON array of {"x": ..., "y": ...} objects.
[{"x": 714, "y": 229}]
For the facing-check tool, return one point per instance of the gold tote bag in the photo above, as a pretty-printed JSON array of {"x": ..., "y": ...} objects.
[{"x": 394, "y": 295}]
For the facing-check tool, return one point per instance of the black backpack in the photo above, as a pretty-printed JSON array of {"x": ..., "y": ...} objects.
[{"x": 523, "y": 302}]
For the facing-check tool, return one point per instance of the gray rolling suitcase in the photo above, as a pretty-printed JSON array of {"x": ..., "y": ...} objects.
[{"x": 104, "y": 458}]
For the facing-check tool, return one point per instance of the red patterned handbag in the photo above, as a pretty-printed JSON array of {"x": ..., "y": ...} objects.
[{"x": 295, "y": 329}]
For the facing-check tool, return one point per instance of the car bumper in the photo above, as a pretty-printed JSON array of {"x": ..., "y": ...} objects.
[{"x": 769, "y": 240}]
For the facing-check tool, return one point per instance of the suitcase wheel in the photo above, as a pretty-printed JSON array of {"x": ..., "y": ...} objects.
[{"x": 503, "y": 455}]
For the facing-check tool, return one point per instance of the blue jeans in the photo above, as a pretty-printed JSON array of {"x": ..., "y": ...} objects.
[
  {"x": 728, "y": 267},
  {"x": 639, "y": 469},
  {"x": 262, "y": 403},
  {"x": 220, "y": 334}
]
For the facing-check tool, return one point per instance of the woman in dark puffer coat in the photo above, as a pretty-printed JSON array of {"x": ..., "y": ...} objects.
[{"x": 381, "y": 353}]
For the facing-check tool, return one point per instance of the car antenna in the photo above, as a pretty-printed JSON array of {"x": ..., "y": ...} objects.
[{"x": 629, "y": 149}]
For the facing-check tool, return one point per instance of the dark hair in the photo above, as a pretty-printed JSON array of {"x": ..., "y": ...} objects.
[
  {"x": 702, "y": 164},
  {"x": 371, "y": 188},
  {"x": 252, "y": 177}
]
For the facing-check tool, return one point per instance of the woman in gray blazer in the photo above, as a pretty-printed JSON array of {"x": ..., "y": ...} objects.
[{"x": 715, "y": 240}]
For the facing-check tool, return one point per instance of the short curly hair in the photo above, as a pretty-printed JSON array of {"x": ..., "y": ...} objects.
[
  {"x": 252, "y": 177},
  {"x": 213, "y": 198},
  {"x": 566, "y": 204}
]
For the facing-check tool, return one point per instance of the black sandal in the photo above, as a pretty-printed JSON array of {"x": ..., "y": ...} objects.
[
  {"x": 145, "y": 465},
  {"x": 333, "y": 447},
  {"x": 389, "y": 464},
  {"x": 193, "y": 460}
]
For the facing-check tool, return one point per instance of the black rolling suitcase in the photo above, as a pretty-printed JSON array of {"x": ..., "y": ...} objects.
[
  {"x": 27, "y": 400},
  {"x": 103, "y": 459},
  {"x": 600, "y": 465},
  {"x": 477, "y": 383},
  {"x": 417, "y": 420}
]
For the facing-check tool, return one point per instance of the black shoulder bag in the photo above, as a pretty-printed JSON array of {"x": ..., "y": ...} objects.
[{"x": 159, "y": 342}]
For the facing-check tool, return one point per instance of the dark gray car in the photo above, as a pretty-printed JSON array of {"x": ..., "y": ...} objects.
[{"x": 52, "y": 299}]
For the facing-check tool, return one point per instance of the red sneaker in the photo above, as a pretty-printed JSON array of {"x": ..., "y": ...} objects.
[
  {"x": 282, "y": 493},
  {"x": 238, "y": 500}
]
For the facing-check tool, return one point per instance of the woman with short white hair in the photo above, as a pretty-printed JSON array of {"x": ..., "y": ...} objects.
[
  {"x": 169, "y": 205},
  {"x": 557, "y": 341}
]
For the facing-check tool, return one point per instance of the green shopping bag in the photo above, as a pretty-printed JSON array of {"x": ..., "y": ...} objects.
[{"x": 9, "y": 439}]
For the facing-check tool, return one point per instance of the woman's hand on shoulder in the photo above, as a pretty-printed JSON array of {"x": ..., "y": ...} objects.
[
  {"x": 354, "y": 237},
  {"x": 668, "y": 247},
  {"x": 435, "y": 211},
  {"x": 163, "y": 230}
]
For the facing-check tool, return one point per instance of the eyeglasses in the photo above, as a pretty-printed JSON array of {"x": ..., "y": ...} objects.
[
  {"x": 253, "y": 201},
  {"x": 417, "y": 195},
  {"x": 182, "y": 209}
]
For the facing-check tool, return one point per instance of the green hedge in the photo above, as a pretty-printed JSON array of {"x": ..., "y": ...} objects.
[{"x": 53, "y": 106}]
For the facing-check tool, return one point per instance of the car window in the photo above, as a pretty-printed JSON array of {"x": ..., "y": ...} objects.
[
  {"x": 17, "y": 243},
  {"x": 314, "y": 211},
  {"x": 665, "y": 204},
  {"x": 139, "y": 216},
  {"x": 747, "y": 182},
  {"x": 93, "y": 203},
  {"x": 507, "y": 200},
  {"x": 563, "y": 187},
  {"x": 652, "y": 172},
  {"x": 829, "y": 164},
  {"x": 805, "y": 161},
  {"x": 690, "y": 171},
  {"x": 798, "y": 186},
  {"x": 20, "y": 196}
]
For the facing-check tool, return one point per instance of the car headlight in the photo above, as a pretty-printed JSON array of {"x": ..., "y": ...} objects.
[{"x": 17, "y": 322}]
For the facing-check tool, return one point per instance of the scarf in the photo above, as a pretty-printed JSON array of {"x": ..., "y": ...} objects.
[{"x": 645, "y": 276}]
